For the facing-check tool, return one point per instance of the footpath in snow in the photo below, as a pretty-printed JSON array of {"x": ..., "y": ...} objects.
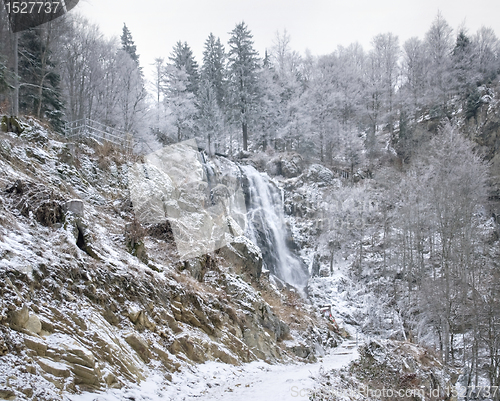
[{"x": 217, "y": 381}]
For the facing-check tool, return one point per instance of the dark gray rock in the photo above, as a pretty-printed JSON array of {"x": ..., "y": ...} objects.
[
  {"x": 74, "y": 206},
  {"x": 320, "y": 174},
  {"x": 243, "y": 256},
  {"x": 292, "y": 165}
]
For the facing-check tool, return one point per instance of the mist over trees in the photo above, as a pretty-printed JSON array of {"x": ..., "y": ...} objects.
[{"x": 397, "y": 112}]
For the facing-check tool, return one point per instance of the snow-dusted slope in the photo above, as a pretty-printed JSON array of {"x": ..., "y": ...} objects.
[
  {"x": 90, "y": 301},
  {"x": 256, "y": 380}
]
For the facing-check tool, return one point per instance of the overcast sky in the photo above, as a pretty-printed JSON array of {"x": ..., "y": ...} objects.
[{"x": 317, "y": 25}]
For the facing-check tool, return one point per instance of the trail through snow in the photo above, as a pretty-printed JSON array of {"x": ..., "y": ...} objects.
[{"x": 216, "y": 381}]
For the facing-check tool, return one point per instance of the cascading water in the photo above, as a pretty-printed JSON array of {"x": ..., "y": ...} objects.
[{"x": 266, "y": 228}]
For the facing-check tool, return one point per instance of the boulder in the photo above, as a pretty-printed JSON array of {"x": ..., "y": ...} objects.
[
  {"x": 19, "y": 317},
  {"x": 320, "y": 174},
  {"x": 292, "y": 165},
  {"x": 74, "y": 206},
  {"x": 273, "y": 166},
  {"x": 7, "y": 394},
  {"x": 301, "y": 350},
  {"x": 12, "y": 124},
  {"x": 244, "y": 256}
]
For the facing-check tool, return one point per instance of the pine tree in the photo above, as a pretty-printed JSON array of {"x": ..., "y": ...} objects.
[
  {"x": 182, "y": 58},
  {"x": 213, "y": 69},
  {"x": 243, "y": 66},
  {"x": 212, "y": 96},
  {"x": 40, "y": 92},
  {"x": 464, "y": 64},
  {"x": 128, "y": 44}
]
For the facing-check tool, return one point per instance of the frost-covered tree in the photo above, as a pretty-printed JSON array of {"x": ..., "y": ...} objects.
[
  {"x": 212, "y": 96},
  {"x": 349, "y": 84},
  {"x": 182, "y": 58},
  {"x": 132, "y": 92},
  {"x": 128, "y": 44},
  {"x": 243, "y": 67},
  {"x": 386, "y": 55},
  {"x": 213, "y": 70},
  {"x": 181, "y": 106},
  {"x": 439, "y": 46},
  {"x": 211, "y": 117},
  {"x": 487, "y": 49},
  {"x": 414, "y": 75},
  {"x": 282, "y": 86},
  {"x": 439, "y": 230},
  {"x": 464, "y": 64}
]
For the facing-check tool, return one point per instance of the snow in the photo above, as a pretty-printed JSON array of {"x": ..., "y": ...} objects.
[{"x": 217, "y": 381}]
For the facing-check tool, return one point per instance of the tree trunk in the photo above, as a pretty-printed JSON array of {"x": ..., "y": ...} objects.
[{"x": 245, "y": 135}]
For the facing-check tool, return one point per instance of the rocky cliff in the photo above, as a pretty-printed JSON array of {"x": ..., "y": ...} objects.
[{"x": 91, "y": 298}]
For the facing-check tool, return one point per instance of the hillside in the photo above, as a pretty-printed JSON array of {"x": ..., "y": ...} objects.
[
  {"x": 80, "y": 309},
  {"x": 99, "y": 295}
]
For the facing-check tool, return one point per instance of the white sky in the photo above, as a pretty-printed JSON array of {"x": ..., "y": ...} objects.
[{"x": 317, "y": 25}]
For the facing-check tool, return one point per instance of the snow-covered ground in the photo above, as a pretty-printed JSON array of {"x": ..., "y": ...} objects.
[{"x": 216, "y": 381}]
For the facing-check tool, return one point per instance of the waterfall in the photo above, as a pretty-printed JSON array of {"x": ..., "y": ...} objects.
[{"x": 266, "y": 228}]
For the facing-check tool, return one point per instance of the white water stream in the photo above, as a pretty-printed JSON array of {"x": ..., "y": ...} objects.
[{"x": 266, "y": 228}]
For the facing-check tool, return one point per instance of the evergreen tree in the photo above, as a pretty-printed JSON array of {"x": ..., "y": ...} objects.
[
  {"x": 243, "y": 66},
  {"x": 4, "y": 85},
  {"x": 182, "y": 58},
  {"x": 213, "y": 69},
  {"x": 464, "y": 63},
  {"x": 40, "y": 92},
  {"x": 128, "y": 44}
]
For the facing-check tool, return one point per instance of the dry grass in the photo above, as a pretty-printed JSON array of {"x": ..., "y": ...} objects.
[{"x": 290, "y": 309}]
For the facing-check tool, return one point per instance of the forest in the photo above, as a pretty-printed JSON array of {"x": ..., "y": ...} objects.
[{"x": 410, "y": 128}]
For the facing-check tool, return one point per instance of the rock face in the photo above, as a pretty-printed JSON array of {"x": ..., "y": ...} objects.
[
  {"x": 177, "y": 184},
  {"x": 139, "y": 345},
  {"x": 79, "y": 312}
]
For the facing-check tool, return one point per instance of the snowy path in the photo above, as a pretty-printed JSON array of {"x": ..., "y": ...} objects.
[
  {"x": 279, "y": 382},
  {"x": 217, "y": 381}
]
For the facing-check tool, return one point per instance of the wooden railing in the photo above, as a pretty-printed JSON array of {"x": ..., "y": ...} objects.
[{"x": 87, "y": 128}]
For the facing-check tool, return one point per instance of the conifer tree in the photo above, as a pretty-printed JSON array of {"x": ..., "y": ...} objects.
[
  {"x": 40, "y": 92},
  {"x": 213, "y": 69},
  {"x": 243, "y": 66},
  {"x": 182, "y": 58},
  {"x": 128, "y": 44}
]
